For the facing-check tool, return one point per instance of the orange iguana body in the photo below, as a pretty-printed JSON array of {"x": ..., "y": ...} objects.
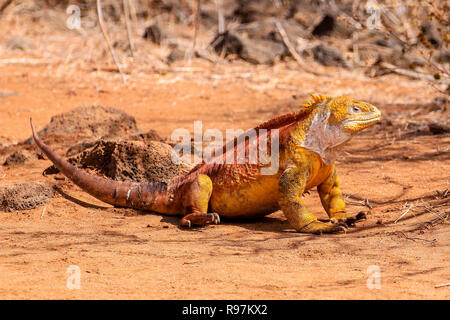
[{"x": 308, "y": 142}]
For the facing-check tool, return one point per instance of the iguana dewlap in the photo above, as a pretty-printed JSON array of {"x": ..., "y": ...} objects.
[{"x": 309, "y": 141}]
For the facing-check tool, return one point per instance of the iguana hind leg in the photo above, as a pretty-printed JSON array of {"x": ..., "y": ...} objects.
[
  {"x": 195, "y": 201},
  {"x": 291, "y": 187},
  {"x": 333, "y": 201}
]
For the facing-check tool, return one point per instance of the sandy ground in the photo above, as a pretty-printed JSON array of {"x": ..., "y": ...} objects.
[{"x": 126, "y": 254}]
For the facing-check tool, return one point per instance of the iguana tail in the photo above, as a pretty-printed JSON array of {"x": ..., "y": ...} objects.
[{"x": 145, "y": 195}]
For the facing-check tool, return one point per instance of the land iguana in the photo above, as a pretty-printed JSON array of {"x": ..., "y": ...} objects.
[{"x": 309, "y": 142}]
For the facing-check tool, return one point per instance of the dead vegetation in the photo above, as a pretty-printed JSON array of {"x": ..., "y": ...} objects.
[{"x": 409, "y": 38}]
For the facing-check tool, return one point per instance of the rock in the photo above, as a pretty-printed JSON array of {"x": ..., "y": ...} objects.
[
  {"x": 155, "y": 34},
  {"x": 442, "y": 57},
  {"x": 227, "y": 43},
  {"x": 181, "y": 10},
  {"x": 18, "y": 157},
  {"x": 330, "y": 25},
  {"x": 438, "y": 128},
  {"x": 307, "y": 14},
  {"x": 24, "y": 196},
  {"x": 256, "y": 10},
  {"x": 441, "y": 101},
  {"x": 260, "y": 51},
  {"x": 255, "y": 51},
  {"x": 21, "y": 44},
  {"x": 266, "y": 30},
  {"x": 293, "y": 30},
  {"x": 367, "y": 56},
  {"x": 122, "y": 45},
  {"x": 325, "y": 26},
  {"x": 128, "y": 161},
  {"x": 375, "y": 47},
  {"x": 328, "y": 56},
  {"x": 176, "y": 55},
  {"x": 430, "y": 36},
  {"x": 321, "y": 18},
  {"x": 209, "y": 18},
  {"x": 112, "y": 11}
]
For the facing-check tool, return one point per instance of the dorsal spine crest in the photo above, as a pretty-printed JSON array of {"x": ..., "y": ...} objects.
[{"x": 316, "y": 99}]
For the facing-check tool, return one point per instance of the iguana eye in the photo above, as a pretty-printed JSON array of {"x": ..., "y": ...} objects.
[{"x": 354, "y": 109}]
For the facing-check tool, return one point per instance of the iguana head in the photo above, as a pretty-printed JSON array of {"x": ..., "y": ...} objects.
[
  {"x": 352, "y": 115},
  {"x": 332, "y": 122}
]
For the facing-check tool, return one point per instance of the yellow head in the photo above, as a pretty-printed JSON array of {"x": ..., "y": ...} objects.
[
  {"x": 332, "y": 122},
  {"x": 352, "y": 115}
]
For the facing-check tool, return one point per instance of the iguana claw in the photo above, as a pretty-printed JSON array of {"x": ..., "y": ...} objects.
[
  {"x": 351, "y": 220},
  {"x": 318, "y": 227},
  {"x": 199, "y": 219},
  {"x": 215, "y": 217}
]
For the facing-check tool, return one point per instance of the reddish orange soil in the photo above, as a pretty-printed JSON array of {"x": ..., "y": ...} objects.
[{"x": 125, "y": 254}]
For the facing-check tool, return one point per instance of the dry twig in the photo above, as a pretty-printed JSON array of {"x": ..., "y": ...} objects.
[
  {"x": 403, "y": 214},
  {"x": 294, "y": 52},
  {"x": 5, "y": 5},
  {"x": 43, "y": 212},
  {"x": 440, "y": 218},
  {"x": 126, "y": 10},
  {"x": 220, "y": 17},
  {"x": 409, "y": 73},
  {"x": 108, "y": 41},
  {"x": 196, "y": 24}
]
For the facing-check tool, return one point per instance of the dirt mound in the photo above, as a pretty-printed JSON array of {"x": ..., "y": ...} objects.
[
  {"x": 257, "y": 51},
  {"x": 24, "y": 196},
  {"x": 87, "y": 123},
  {"x": 128, "y": 160},
  {"x": 18, "y": 157},
  {"x": 146, "y": 137}
]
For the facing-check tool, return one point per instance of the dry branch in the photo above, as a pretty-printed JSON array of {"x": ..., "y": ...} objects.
[
  {"x": 196, "y": 24},
  {"x": 294, "y": 52},
  {"x": 126, "y": 6},
  {"x": 403, "y": 214},
  {"x": 220, "y": 17},
  {"x": 5, "y": 5},
  {"x": 440, "y": 218},
  {"x": 409, "y": 73},
  {"x": 108, "y": 41}
]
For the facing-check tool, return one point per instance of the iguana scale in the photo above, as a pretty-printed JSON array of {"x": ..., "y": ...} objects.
[{"x": 309, "y": 142}]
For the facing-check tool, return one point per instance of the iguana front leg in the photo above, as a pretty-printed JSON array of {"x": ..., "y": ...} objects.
[
  {"x": 333, "y": 202},
  {"x": 291, "y": 187}
]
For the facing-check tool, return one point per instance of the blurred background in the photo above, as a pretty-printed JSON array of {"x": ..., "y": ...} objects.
[{"x": 376, "y": 37}]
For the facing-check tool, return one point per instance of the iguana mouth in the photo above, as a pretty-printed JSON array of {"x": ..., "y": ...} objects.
[
  {"x": 355, "y": 125},
  {"x": 375, "y": 118},
  {"x": 365, "y": 121}
]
